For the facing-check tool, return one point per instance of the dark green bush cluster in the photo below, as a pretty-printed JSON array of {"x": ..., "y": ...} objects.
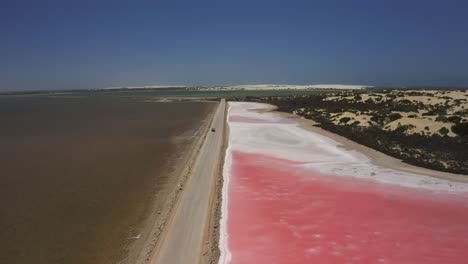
[{"x": 461, "y": 129}]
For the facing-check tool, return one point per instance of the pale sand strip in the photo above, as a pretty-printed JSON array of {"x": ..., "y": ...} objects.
[
  {"x": 376, "y": 157},
  {"x": 225, "y": 254},
  {"x": 330, "y": 153}
]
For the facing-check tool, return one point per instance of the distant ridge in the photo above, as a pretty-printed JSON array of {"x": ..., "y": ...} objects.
[{"x": 308, "y": 86}]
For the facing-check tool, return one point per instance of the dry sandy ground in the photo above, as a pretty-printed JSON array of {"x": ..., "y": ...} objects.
[
  {"x": 453, "y": 101},
  {"x": 211, "y": 247}
]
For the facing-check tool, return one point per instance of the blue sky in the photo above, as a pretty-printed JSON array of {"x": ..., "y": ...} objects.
[{"x": 91, "y": 44}]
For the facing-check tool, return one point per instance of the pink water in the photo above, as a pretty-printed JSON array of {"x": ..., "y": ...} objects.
[{"x": 281, "y": 213}]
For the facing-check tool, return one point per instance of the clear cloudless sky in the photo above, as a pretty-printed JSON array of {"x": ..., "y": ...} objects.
[{"x": 91, "y": 44}]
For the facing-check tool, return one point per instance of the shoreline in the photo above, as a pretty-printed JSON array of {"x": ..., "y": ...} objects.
[
  {"x": 141, "y": 250},
  {"x": 376, "y": 157}
]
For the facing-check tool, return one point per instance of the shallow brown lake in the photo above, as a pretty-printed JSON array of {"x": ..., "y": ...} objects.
[{"x": 79, "y": 175}]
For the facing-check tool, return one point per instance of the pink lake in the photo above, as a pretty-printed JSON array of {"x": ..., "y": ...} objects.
[
  {"x": 295, "y": 196},
  {"x": 279, "y": 212}
]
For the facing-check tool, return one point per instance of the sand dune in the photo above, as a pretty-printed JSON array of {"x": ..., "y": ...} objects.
[{"x": 283, "y": 87}]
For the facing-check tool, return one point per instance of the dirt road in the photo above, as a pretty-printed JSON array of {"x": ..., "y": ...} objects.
[{"x": 183, "y": 237}]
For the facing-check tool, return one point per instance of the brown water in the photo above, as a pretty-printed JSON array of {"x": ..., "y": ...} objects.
[{"x": 78, "y": 175}]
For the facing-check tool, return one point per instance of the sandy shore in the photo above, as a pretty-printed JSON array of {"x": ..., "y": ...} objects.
[{"x": 376, "y": 157}]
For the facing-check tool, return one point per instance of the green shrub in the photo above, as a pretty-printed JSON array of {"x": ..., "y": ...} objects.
[
  {"x": 430, "y": 113},
  {"x": 344, "y": 119},
  {"x": 403, "y": 128},
  {"x": 444, "y": 131},
  {"x": 461, "y": 129},
  {"x": 454, "y": 119},
  {"x": 441, "y": 118},
  {"x": 394, "y": 116}
]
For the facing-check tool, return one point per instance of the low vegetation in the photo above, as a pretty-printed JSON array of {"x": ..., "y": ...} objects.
[{"x": 427, "y": 128}]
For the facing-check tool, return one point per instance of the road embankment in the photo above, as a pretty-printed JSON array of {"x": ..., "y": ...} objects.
[{"x": 184, "y": 235}]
